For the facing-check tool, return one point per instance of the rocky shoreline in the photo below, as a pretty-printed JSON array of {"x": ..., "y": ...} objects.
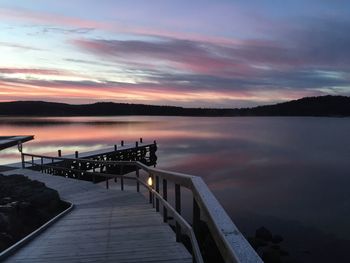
[{"x": 25, "y": 205}]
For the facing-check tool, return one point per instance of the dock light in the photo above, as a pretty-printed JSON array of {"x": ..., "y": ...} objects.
[{"x": 150, "y": 181}]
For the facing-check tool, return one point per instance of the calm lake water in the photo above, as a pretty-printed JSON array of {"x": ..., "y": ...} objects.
[{"x": 291, "y": 175}]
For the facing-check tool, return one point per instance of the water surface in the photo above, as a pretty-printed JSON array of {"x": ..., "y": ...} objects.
[{"x": 291, "y": 175}]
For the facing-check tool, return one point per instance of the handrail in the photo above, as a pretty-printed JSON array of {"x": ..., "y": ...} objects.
[{"x": 229, "y": 240}]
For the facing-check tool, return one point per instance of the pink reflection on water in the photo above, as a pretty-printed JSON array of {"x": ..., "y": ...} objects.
[{"x": 92, "y": 133}]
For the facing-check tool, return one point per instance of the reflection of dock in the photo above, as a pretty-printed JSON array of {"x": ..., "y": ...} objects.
[{"x": 119, "y": 226}]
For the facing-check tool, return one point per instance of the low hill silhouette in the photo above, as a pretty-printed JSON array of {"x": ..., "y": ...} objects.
[{"x": 309, "y": 106}]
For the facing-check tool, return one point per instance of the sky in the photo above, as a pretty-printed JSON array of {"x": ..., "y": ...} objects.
[{"x": 221, "y": 53}]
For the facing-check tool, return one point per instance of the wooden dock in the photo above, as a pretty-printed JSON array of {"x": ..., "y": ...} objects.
[
  {"x": 120, "y": 226},
  {"x": 104, "y": 226}
]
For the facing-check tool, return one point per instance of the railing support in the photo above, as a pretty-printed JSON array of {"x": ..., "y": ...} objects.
[
  {"x": 150, "y": 192},
  {"x": 137, "y": 179},
  {"x": 165, "y": 196},
  {"x": 59, "y": 153},
  {"x": 122, "y": 179},
  {"x": 41, "y": 164},
  {"x": 157, "y": 190},
  {"x": 23, "y": 163},
  {"x": 178, "y": 209}
]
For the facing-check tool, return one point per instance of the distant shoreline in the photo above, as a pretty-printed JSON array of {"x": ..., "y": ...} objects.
[{"x": 323, "y": 106}]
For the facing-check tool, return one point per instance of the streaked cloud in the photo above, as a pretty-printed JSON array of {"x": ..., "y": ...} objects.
[{"x": 116, "y": 53}]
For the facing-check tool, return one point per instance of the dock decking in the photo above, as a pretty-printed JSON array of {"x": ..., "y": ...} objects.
[
  {"x": 104, "y": 226},
  {"x": 9, "y": 141}
]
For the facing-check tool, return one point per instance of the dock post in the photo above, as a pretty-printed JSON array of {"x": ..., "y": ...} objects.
[
  {"x": 137, "y": 179},
  {"x": 76, "y": 154},
  {"x": 178, "y": 209},
  {"x": 140, "y": 140},
  {"x": 42, "y": 163},
  {"x": 122, "y": 143},
  {"x": 165, "y": 197},
  {"x": 59, "y": 153},
  {"x": 122, "y": 179},
  {"x": 32, "y": 161},
  {"x": 136, "y": 144},
  {"x": 22, "y": 158},
  {"x": 157, "y": 190},
  {"x": 115, "y": 147}
]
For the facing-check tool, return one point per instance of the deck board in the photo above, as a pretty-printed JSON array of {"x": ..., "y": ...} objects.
[{"x": 105, "y": 226}]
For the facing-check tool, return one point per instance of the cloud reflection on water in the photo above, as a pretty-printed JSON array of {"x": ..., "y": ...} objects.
[{"x": 288, "y": 169}]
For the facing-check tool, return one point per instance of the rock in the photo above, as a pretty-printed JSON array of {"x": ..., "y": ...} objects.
[
  {"x": 276, "y": 239},
  {"x": 256, "y": 243},
  {"x": 5, "y": 200},
  {"x": 3, "y": 222},
  {"x": 271, "y": 256},
  {"x": 24, "y": 206},
  {"x": 263, "y": 233},
  {"x": 6, "y": 241}
]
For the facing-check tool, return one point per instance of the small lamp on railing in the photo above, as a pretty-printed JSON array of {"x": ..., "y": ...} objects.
[{"x": 150, "y": 180}]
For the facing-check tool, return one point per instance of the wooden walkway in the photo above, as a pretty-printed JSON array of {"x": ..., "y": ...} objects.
[{"x": 104, "y": 226}]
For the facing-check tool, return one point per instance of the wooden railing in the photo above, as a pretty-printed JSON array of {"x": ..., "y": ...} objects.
[{"x": 232, "y": 245}]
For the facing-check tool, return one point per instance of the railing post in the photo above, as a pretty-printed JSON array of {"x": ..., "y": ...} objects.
[
  {"x": 196, "y": 217},
  {"x": 23, "y": 163},
  {"x": 165, "y": 197},
  {"x": 59, "y": 153},
  {"x": 115, "y": 147},
  {"x": 178, "y": 209},
  {"x": 42, "y": 163},
  {"x": 137, "y": 179},
  {"x": 76, "y": 154},
  {"x": 122, "y": 143},
  {"x": 32, "y": 161},
  {"x": 150, "y": 192},
  {"x": 122, "y": 179},
  {"x": 140, "y": 140},
  {"x": 157, "y": 190},
  {"x": 136, "y": 144}
]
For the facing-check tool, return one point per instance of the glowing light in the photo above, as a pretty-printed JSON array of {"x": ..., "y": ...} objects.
[{"x": 150, "y": 181}]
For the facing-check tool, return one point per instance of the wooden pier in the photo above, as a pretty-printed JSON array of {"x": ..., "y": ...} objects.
[
  {"x": 122, "y": 226},
  {"x": 104, "y": 226}
]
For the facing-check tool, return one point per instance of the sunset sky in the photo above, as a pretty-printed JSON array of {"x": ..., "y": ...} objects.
[{"x": 189, "y": 53}]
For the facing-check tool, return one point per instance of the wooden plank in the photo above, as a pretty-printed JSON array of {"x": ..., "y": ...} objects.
[{"x": 105, "y": 226}]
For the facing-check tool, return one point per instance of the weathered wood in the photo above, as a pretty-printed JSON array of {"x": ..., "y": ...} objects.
[{"x": 105, "y": 226}]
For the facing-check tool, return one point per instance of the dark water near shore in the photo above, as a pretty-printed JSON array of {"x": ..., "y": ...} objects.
[{"x": 291, "y": 175}]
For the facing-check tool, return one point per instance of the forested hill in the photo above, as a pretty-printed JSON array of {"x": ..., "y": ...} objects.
[{"x": 310, "y": 106}]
